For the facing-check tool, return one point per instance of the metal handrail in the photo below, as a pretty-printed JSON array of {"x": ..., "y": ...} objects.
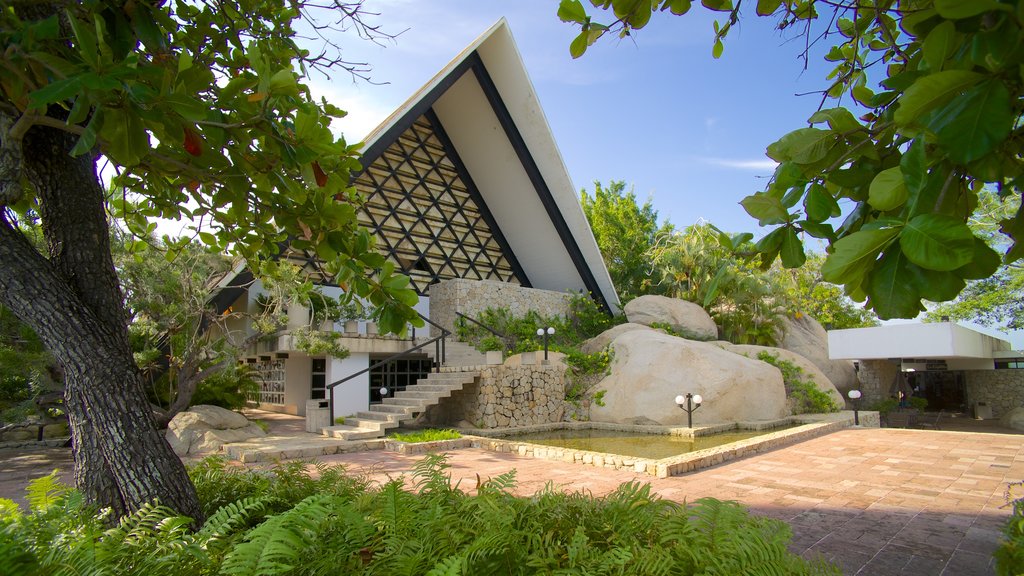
[
  {"x": 439, "y": 357},
  {"x": 482, "y": 325}
]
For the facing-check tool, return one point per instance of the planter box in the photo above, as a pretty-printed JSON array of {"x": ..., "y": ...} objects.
[
  {"x": 424, "y": 447},
  {"x": 494, "y": 357}
]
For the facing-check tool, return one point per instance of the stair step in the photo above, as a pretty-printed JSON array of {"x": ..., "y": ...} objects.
[
  {"x": 376, "y": 416},
  {"x": 401, "y": 402},
  {"x": 390, "y": 408},
  {"x": 410, "y": 392},
  {"x": 433, "y": 387},
  {"x": 350, "y": 432},
  {"x": 369, "y": 424}
]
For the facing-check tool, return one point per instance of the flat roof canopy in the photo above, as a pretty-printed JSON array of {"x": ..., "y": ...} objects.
[{"x": 938, "y": 340}]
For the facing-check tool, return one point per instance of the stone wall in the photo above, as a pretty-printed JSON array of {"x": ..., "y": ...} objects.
[
  {"x": 876, "y": 378},
  {"x": 472, "y": 297},
  {"x": 1002, "y": 390},
  {"x": 507, "y": 395}
]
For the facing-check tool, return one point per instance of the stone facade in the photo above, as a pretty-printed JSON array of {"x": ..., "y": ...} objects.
[
  {"x": 508, "y": 395},
  {"x": 1002, "y": 390},
  {"x": 876, "y": 379},
  {"x": 472, "y": 297}
]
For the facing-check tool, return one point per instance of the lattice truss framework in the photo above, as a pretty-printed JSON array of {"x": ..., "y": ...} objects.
[{"x": 425, "y": 212}]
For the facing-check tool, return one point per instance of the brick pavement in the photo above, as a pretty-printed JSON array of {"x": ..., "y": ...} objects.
[{"x": 874, "y": 501}]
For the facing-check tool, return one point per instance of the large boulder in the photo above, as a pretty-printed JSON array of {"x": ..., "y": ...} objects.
[
  {"x": 206, "y": 428},
  {"x": 684, "y": 317},
  {"x": 650, "y": 368},
  {"x": 805, "y": 336},
  {"x": 1013, "y": 419},
  {"x": 602, "y": 340},
  {"x": 811, "y": 371}
]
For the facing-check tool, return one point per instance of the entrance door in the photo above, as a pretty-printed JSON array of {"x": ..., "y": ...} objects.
[{"x": 944, "y": 390}]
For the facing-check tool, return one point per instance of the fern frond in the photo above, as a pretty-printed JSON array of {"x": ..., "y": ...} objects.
[{"x": 45, "y": 491}]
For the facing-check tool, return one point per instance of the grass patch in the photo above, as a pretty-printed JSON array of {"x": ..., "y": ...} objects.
[{"x": 426, "y": 435}]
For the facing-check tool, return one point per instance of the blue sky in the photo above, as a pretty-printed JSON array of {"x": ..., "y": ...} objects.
[{"x": 657, "y": 111}]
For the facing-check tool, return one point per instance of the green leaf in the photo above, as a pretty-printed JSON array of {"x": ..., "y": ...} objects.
[
  {"x": 887, "y": 190},
  {"x": 960, "y": 9},
  {"x": 572, "y": 11},
  {"x": 937, "y": 242},
  {"x": 817, "y": 229},
  {"x": 934, "y": 286},
  {"x": 938, "y": 45},
  {"x": 890, "y": 294},
  {"x": 58, "y": 91},
  {"x": 766, "y": 208},
  {"x": 125, "y": 136},
  {"x": 283, "y": 82},
  {"x": 983, "y": 264},
  {"x": 1014, "y": 228},
  {"x": 678, "y": 7},
  {"x": 87, "y": 140},
  {"x": 579, "y": 44},
  {"x": 717, "y": 5},
  {"x": 803, "y": 146},
  {"x": 912, "y": 166},
  {"x": 973, "y": 124},
  {"x": 931, "y": 91},
  {"x": 839, "y": 119},
  {"x": 184, "y": 61},
  {"x": 767, "y": 7},
  {"x": 792, "y": 249},
  {"x": 717, "y": 49},
  {"x": 820, "y": 205},
  {"x": 771, "y": 242},
  {"x": 854, "y": 255}
]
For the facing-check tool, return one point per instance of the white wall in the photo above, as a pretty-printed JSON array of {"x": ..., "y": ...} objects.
[
  {"x": 352, "y": 396},
  {"x": 297, "y": 371}
]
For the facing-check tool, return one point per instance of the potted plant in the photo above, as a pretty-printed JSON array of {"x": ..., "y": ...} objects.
[
  {"x": 325, "y": 311},
  {"x": 352, "y": 313}
]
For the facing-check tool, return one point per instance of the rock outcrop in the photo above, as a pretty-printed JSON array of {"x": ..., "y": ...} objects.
[
  {"x": 811, "y": 371},
  {"x": 602, "y": 340},
  {"x": 805, "y": 336},
  {"x": 684, "y": 317},
  {"x": 651, "y": 368},
  {"x": 206, "y": 428},
  {"x": 1013, "y": 419}
]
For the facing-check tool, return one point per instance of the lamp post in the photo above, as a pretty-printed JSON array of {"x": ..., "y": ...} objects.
[
  {"x": 690, "y": 402},
  {"x": 854, "y": 396},
  {"x": 546, "y": 333}
]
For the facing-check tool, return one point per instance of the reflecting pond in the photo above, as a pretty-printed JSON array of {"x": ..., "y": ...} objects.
[{"x": 635, "y": 444}]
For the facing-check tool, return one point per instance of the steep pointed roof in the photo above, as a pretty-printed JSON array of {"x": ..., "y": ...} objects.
[{"x": 465, "y": 180}]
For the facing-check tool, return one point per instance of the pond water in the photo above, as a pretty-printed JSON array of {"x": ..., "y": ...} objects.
[{"x": 635, "y": 444}]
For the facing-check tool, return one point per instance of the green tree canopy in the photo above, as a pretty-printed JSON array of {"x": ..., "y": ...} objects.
[
  {"x": 625, "y": 232},
  {"x": 997, "y": 301},
  {"x": 201, "y": 111},
  {"x": 942, "y": 87}
]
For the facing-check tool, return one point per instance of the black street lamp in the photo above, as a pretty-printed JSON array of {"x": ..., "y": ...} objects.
[
  {"x": 854, "y": 396},
  {"x": 546, "y": 333},
  {"x": 690, "y": 402}
]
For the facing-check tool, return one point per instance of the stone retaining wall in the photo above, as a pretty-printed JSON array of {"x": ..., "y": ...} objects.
[
  {"x": 1002, "y": 390},
  {"x": 472, "y": 297},
  {"x": 508, "y": 395},
  {"x": 29, "y": 433}
]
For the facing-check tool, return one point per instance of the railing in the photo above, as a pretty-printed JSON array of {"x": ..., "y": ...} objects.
[
  {"x": 439, "y": 356},
  {"x": 499, "y": 335}
]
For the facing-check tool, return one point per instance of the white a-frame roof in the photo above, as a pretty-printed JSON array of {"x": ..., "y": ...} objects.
[{"x": 464, "y": 180}]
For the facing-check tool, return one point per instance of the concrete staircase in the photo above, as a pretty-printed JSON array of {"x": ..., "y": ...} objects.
[{"x": 404, "y": 405}]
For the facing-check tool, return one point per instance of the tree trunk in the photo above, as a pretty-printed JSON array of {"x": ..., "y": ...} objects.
[{"x": 73, "y": 301}]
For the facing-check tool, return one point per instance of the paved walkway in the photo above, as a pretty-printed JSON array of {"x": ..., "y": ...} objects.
[{"x": 874, "y": 501}]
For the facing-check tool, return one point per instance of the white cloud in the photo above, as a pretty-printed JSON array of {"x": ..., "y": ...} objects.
[{"x": 761, "y": 164}]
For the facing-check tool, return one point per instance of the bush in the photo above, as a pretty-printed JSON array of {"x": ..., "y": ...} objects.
[
  {"x": 337, "y": 525},
  {"x": 426, "y": 435},
  {"x": 807, "y": 397},
  {"x": 1009, "y": 556},
  {"x": 229, "y": 388}
]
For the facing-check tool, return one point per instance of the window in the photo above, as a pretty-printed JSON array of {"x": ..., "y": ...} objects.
[
  {"x": 318, "y": 383},
  {"x": 397, "y": 375}
]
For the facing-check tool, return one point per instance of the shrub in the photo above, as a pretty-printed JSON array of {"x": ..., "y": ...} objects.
[
  {"x": 229, "y": 388},
  {"x": 1009, "y": 556},
  {"x": 336, "y": 525},
  {"x": 426, "y": 435},
  {"x": 807, "y": 397}
]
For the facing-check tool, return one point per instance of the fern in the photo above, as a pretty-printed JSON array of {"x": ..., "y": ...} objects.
[{"x": 45, "y": 491}]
